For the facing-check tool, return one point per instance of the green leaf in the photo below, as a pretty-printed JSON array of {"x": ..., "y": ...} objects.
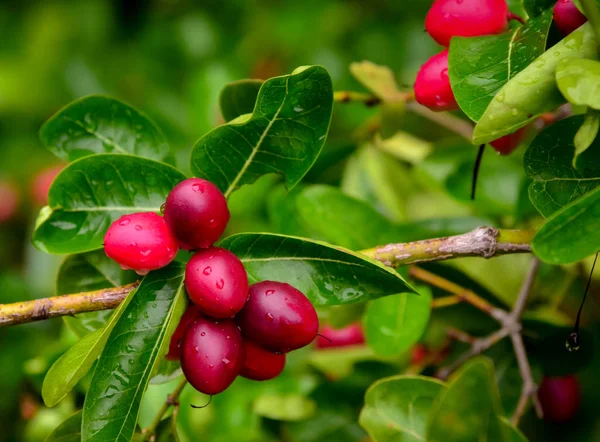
[
  {"x": 91, "y": 193},
  {"x": 533, "y": 91},
  {"x": 469, "y": 409},
  {"x": 397, "y": 408},
  {"x": 77, "y": 361},
  {"x": 556, "y": 183},
  {"x": 98, "y": 124},
  {"x": 135, "y": 345},
  {"x": 479, "y": 67},
  {"x": 284, "y": 407},
  {"x": 380, "y": 80},
  {"x": 238, "y": 98},
  {"x": 572, "y": 233},
  {"x": 68, "y": 431},
  {"x": 586, "y": 134},
  {"x": 339, "y": 362},
  {"x": 536, "y": 7},
  {"x": 328, "y": 275},
  {"x": 88, "y": 272},
  {"x": 578, "y": 81},
  {"x": 395, "y": 323},
  {"x": 284, "y": 134}
]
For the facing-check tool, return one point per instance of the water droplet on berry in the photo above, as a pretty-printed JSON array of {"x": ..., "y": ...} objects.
[
  {"x": 124, "y": 222},
  {"x": 207, "y": 270},
  {"x": 198, "y": 188},
  {"x": 138, "y": 227},
  {"x": 203, "y": 334},
  {"x": 269, "y": 292},
  {"x": 145, "y": 252},
  {"x": 444, "y": 74},
  {"x": 228, "y": 337},
  {"x": 211, "y": 366},
  {"x": 220, "y": 284},
  {"x": 225, "y": 361},
  {"x": 269, "y": 316},
  {"x": 212, "y": 222}
]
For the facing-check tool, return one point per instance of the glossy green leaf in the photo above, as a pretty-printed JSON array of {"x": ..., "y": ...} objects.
[
  {"x": 135, "y": 345},
  {"x": 283, "y": 213},
  {"x": 532, "y": 91},
  {"x": 98, "y": 124},
  {"x": 586, "y": 134},
  {"x": 91, "y": 193},
  {"x": 68, "y": 431},
  {"x": 579, "y": 81},
  {"x": 380, "y": 80},
  {"x": 571, "y": 234},
  {"x": 395, "y": 323},
  {"x": 479, "y": 67},
  {"x": 536, "y": 7},
  {"x": 328, "y": 275},
  {"x": 469, "y": 410},
  {"x": 77, "y": 361},
  {"x": 397, "y": 408},
  {"x": 284, "y": 134},
  {"x": 556, "y": 183},
  {"x": 87, "y": 272},
  {"x": 238, "y": 98}
]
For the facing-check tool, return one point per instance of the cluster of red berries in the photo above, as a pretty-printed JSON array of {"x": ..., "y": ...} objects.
[
  {"x": 472, "y": 18},
  {"x": 230, "y": 328}
]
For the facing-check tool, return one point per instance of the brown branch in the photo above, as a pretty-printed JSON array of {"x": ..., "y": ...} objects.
[
  {"x": 172, "y": 400},
  {"x": 444, "y": 119}
]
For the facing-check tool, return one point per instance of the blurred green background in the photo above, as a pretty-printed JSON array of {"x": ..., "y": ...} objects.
[{"x": 170, "y": 59}]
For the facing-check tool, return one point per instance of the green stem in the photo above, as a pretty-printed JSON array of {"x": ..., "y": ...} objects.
[
  {"x": 590, "y": 8},
  {"x": 172, "y": 399}
]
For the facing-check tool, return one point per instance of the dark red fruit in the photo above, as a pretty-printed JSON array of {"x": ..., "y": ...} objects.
[
  {"x": 141, "y": 242},
  {"x": 9, "y": 201},
  {"x": 567, "y": 17},
  {"x": 216, "y": 282},
  {"x": 189, "y": 316},
  {"x": 41, "y": 184},
  {"x": 261, "y": 364},
  {"x": 212, "y": 354},
  {"x": 508, "y": 143},
  {"x": 197, "y": 214},
  {"x": 278, "y": 317},
  {"x": 418, "y": 355},
  {"x": 343, "y": 337},
  {"x": 466, "y": 18},
  {"x": 432, "y": 87},
  {"x": 560, "y": 398}
]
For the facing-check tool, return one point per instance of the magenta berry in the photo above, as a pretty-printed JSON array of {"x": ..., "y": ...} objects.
[
  {"x": 189, "y": 316},
  {"x": 465, "y": 18},
  {"x": 197, "y": 214},
  {"x": 212, "y": 354},
  {"x": 216, "y": 282},
  {"x": 343, "y": 337},
  {"x": 560, "y": 398},
  {"x": 567, "y": 17},
  {"x": 508, "y": 143},
  {"x": 141, "y": 242},
  {"x": 432, "y": 87},
  {"x": 261, "y": 364},
  {"x": 278, "y": 317}
]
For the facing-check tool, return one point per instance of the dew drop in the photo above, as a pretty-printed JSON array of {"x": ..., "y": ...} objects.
[
  {"x": 573, "y": 343},
  {"x": 145, "y": 252},
  {"x": 124, "y": 222},
  {"x": 207, "y": 270},
  {"x": 138, "y": 227},
  {"x": 198, "y": 188},
  {"x": 225, "y": 361},
  {"x": 269, "y": 316},
  {"x": 220, "y": 284},
  {"x": 444, "y": 74},
  {"x": 211, "y": 366},
  {"x": 203, "y": 334},
  {"x": 269, "y": 292}
]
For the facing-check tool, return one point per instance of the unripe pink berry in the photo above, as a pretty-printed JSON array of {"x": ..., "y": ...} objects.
[
  {"x": 567, "y": 17},
  {"x": 432, "y": 87}
]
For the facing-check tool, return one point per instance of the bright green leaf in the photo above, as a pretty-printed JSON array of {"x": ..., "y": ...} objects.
[
  {"x": 406, "y": 147},
  {"x": 284, "y": 134},
  {"x": 586, "y": 134},
  {"x": 328, "y": 275},
  {"x": 68, "y": 431},
  {"x": 98, "y": 124},
  {"x": 579, "y": 81},
  {"x": 536, "y": 7},
  {"x": 380, "y": 80},
  {"x": 238, "y": 98},
  {"x": 480, "y": 66},
  {"x": 135, "y": 345},
  {"x": 285, "y": 407},
  {"x": 533, "y": 91},
  {"x": 339, "y": 362},
  {"x": 91, "y": 193}
]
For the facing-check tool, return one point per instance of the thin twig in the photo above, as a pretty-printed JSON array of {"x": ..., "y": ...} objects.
[
  {"x": 368, "y": 100},
  {"x": 526, "y": 288},
  {"x": 444, "y": 119},
  {"x": 446, "y": 301},
  {"x": 172, "y": 400}
]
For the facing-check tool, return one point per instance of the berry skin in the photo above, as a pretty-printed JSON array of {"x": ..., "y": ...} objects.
[
  {"x": 343, "y": 337},
  {"x": 432, "y": 86},
  {"x": 189, "y": 316},
  {"x": 567, "y": 17},
  {"x": 465, "y": 18},
  {"x": 278, "y": 317},
  {"x": 508, "y": 143},
  {"x": 9, "y": 201},
  {"x": 261, "y": 364},
  {"x": 197, "y": 214},
  {"x": 216, "y": 282},
  {"x": 560, "y": 398},
  {"x": 418, "y": 355},
  {"x": 141, "y": 242},
  {"x": 212, "y": 354},
  {"x": 41, "y": 184}
]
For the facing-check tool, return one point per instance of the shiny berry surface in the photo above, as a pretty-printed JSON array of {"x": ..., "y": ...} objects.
[
  {"x": 343, "y": 337},
  {"x": 278, "y": 317},
  {"x": 141, "y": 242},
  {"x": 212, "y": 354},
  {"x": 216, "y": 282},
  {"x": 197, "y": 214},
  {"x": 567, "y": 17},
  {"x": 560, "y": 398},
  {"x": 432, "y": 86},
  {"x": 189, "y": 316},
  {"x": 261, "y": 364},
  {"x": 508, "y": 143}
]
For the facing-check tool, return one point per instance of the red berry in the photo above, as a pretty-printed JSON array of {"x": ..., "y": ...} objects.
[
  {"x": 212, "y": 354},
  {"x": 508, "y": 143},
  {"x": 261, "y": 364},
  {"x": 278, "y": 317},
  {"x": 197, "y": 214},
  {"x": 189, "y": 316},
  {"x": 216, "y": 282},
  {"x": 559, "y": 397},
  {"x": 343, "y": 337},
  {"x": 9, "y": 201},
  {"x": 41, "y": 184},
  {"x": 419, "y": 353},
  {"x": 466, "y": 18},
  {"x": 567, "y": 17},
  {"x": 141, "y": 242},
  {"x": 432, "y": 87}
]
